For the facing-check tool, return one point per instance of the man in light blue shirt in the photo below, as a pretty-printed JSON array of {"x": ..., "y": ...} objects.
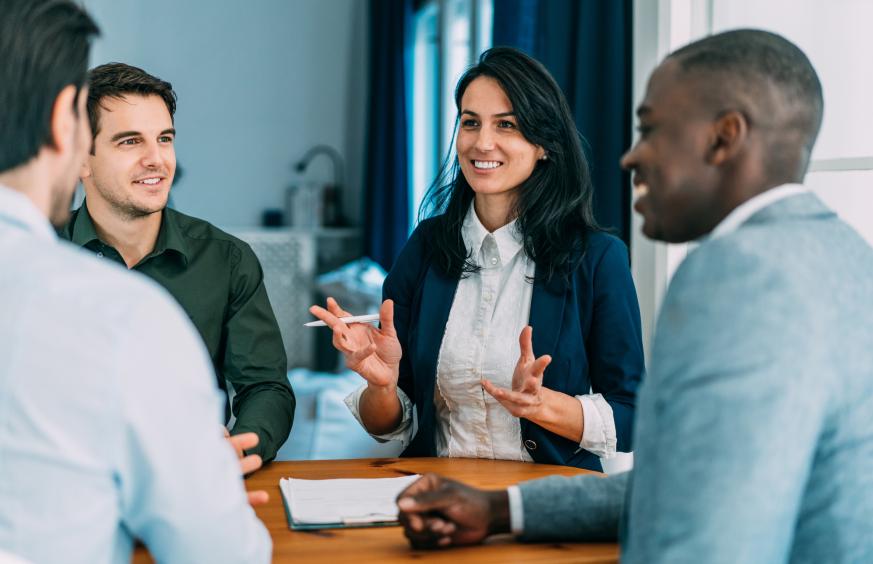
[
  {"x": 93, "y": 452},
  {"x": 754, "y": 437}
]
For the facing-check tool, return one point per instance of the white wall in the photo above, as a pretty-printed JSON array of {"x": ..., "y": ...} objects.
[{"x": 258, "y": 82}]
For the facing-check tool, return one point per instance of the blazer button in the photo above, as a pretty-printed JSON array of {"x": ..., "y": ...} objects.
[{"x": 531, "y": 445}]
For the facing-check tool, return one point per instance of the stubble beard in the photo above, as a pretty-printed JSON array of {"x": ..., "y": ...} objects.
[
  {"x": 132, "y": 211},
  {"x": 127, "y": 209}
]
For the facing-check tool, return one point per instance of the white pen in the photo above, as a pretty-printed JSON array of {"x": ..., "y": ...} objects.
[{"x": 353, "y": 319}]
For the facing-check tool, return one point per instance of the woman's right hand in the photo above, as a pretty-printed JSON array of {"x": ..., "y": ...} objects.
[{"x": 372, "y": 352}]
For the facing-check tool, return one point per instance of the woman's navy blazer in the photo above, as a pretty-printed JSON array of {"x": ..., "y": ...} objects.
[{"x": 591, "y": 328}]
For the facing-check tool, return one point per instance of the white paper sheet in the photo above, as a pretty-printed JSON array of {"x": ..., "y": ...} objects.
[{"x": 343, "y": 501}]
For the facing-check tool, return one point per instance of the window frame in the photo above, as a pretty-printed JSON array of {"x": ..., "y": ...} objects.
[
  {"x": 660, "y": 26},
  {"x": 445, "y": 73}
]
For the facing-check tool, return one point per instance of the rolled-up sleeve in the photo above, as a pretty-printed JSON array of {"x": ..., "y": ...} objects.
[
  {"x": 598, "y": 433},
  {"x": 404, "y": 431}
]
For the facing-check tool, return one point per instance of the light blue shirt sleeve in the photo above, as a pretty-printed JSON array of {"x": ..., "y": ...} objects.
[
  {"x": 181, "y": 489},
  {"x": 110, "y": 417}
]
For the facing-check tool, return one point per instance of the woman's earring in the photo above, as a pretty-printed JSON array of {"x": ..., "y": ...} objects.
[{"x": 545, "y": 157}]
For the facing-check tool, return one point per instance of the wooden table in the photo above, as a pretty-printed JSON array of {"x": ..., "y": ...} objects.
[{"x": 387, "y": 544}]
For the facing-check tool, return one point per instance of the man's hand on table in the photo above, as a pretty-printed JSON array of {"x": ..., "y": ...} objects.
[
  {"x": 248, "y": 463},
  {"x": 437, "y": 512}
]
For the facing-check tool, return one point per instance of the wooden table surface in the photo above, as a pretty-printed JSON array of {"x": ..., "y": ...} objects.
[{"x": 387, "y": 544}]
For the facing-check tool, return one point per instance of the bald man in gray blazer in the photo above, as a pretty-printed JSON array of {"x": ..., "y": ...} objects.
[{"x": 754, "y": 429}]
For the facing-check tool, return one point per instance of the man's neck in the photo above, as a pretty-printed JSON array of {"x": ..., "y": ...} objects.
[
  {"x": 30, "y": 180},
  {"x": 133, "y": 238},
  {"x": 744, "y": 189}
]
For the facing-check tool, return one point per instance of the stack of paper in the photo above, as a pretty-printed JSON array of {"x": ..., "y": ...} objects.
[{"x": 324, "y": 504}]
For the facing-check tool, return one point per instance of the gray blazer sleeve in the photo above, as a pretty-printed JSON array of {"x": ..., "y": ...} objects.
[{"x": 586, "y": 508}]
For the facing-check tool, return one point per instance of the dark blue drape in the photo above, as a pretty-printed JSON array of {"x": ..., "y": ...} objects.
[
  {"x": 386, "y": 224},
  {"x": 515, "y": 24},
  {"x": 587, "y": 46}
]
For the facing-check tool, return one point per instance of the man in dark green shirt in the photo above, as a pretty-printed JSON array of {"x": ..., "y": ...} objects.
[{"x": 214, "y": 276}]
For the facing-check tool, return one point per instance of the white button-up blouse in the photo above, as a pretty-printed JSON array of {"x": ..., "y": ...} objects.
[{"x": 489, "y": 311}]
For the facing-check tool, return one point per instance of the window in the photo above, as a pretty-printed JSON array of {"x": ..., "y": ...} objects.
[
  {"x": 833, "y": 34},
  {"x": 660, "y": 26},
  {"x": 424, "y": 119},
  {"x": 449, "y": 35}
]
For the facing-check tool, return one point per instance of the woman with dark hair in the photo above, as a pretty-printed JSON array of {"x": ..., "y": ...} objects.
[{"x": 510, "y": 325}]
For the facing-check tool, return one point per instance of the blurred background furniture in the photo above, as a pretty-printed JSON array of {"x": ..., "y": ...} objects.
[
  {"x": 291, "y": 259},
  {"x": 324, "y": 428}
]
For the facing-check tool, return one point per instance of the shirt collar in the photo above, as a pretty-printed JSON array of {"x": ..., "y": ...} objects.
[
  {"x": 169, "y": 237},
  {"x": 18, "y": 210},
  {"x": 83, "y": 231},
  {"x": 751, "y": 206},
  {"x": 507, "y": 238}
]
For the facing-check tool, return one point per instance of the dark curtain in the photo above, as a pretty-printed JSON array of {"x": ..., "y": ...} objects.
[
  {"x": 386, "y": 223},
  {"x": 587, "y": 46},
  {"x": 515, "y": 24}
]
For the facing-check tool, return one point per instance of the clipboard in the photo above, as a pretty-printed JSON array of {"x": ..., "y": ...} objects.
[{"x": 342, "y": 503}]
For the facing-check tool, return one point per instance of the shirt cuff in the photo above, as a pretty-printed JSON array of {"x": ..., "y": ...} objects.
[
  {"x": 516, "y": 511},
  {"x": 598, "y": 434},
  {"x": 402, "y": 433}
]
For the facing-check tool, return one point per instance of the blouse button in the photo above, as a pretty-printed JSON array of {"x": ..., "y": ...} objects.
[
  {"x": 494, "y": 260},
  {"x": 530, "y": 445}
]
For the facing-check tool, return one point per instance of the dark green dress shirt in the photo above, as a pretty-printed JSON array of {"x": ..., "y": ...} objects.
[{"x": 219, "y": 283}]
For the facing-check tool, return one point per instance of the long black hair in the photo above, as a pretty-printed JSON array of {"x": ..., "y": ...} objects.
[{"x": 554, "y": 204}]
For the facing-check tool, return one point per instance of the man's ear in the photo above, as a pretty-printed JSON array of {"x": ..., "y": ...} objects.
[
  {"x": 85, "y": 169},
  {"x": 64, "y": 121},
  {"x": 730, "y": 131}
]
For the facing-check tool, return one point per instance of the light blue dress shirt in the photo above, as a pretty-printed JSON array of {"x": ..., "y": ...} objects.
[{"x": 110, "y": 422}]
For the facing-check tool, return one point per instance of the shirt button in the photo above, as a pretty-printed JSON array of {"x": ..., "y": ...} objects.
[
  {"x": 487, "y": 297},
  {"x": 494, "y": 260},
  {"x": 530, "y": 445},
  {"x": 100, "y": 254}
]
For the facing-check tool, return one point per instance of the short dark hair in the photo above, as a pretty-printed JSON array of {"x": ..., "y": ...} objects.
[
  {"x": 752, "y": 61},
  {"x": 114, "y": 80},
  {"x": 44, "y": 46},
  {"x": 555, "y": 203}
]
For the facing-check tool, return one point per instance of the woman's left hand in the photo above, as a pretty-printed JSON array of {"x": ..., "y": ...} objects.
[{"x": 525, "y": 399}]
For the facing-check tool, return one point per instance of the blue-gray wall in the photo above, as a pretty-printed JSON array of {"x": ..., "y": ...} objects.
[{"x": 258, "y": 82}]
